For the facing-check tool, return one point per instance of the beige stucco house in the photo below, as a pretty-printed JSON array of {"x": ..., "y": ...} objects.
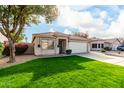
[{"x": 52, "y": 43}]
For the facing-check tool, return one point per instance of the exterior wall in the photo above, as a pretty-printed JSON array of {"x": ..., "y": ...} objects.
[
  {"x": 78, "y": 47},
  {"x": 40, "y": 51},
  {"x": 36, "y": 48},
  {"x": 46, "y": 52},
  {"x": 115, "y": 45},
  {"x": 88, "y": 46},
  {"x": 30, "y": 49},
  {"x": 107, "y": 45}
]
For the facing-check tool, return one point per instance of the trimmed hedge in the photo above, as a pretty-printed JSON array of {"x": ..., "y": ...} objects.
[
  {"x": 107, "y": 48},
  {"x": 68, "y": 51},
  {"x": 20, "y": 48},
  {"x": 1, "y": 48},
  {"x": 103, "y": 50}
]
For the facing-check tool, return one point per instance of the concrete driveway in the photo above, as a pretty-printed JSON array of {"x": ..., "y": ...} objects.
[{"x": 105, "y": 58}]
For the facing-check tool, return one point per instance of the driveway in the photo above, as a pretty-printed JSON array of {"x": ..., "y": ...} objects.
[{"x": 105, "y": 58}]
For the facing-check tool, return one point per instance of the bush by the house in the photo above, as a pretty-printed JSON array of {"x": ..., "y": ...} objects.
[
  {"x": 103, "y": 50},
  {"x": 107, "y": 48},
  {"x": 1, "y": 48},
  {"x": 68, "y": 51},
  {"x": 20, "y": 48}
]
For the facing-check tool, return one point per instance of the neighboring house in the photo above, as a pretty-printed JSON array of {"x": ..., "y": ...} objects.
[
  {"x": 99, "y": 44},
  {"x": 52, "y": 43},
  {"x": 96, "y": 44}
]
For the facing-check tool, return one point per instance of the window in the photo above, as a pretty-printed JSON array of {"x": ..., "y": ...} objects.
[
  {"x": 102, "y": 46},
  {"x": 94, "y": 45},
  {"x": 98, "y": 45},
  {"x": 47, "y": 44}
]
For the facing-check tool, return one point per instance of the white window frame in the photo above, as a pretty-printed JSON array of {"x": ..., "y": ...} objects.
[{"x": 47, "y": 41}]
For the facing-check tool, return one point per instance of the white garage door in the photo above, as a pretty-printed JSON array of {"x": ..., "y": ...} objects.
[{"x": 78, "y": 47}]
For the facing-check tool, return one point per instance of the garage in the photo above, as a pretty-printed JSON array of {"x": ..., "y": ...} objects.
[{"x": 78, "y": 47}]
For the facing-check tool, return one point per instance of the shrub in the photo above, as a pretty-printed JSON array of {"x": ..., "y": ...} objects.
[
  {"x": 103, "y": 50},
  {"x": 68, "y": 51},
  {"x": 1, "y": 48},
  {"x": 20, "y": 48},
  {"x": 107, "y": 48}
]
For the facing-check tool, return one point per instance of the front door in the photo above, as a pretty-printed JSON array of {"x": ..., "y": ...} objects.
[{"x": 62, "y": 46}]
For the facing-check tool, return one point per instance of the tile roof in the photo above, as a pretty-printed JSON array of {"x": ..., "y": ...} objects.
[{"x": 58, "y": 34}]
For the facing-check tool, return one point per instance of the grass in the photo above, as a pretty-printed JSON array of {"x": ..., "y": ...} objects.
[
  {"x": 64, "y": 72},
  {"x": 0, "y": 54}
]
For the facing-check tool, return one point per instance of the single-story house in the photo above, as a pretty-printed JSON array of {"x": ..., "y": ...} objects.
[
  {"x": 99, "y": 44},
  {"x": 52, "y": 43}
]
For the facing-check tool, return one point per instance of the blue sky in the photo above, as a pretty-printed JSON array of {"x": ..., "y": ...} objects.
[{"x": 102, "y": 21}]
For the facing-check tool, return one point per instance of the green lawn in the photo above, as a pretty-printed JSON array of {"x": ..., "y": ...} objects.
[{"x": 64, "y": 72}]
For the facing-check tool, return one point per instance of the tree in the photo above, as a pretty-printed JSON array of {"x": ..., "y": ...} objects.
[
  {"x": 13, "y": 19},
  {"x": 21, "y": 37},
  {"x": 120, "y": 40},
  {"x": 80, "y": 34}
]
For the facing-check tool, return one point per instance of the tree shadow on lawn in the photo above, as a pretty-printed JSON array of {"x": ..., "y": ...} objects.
[{"x": 44, "y": 67}]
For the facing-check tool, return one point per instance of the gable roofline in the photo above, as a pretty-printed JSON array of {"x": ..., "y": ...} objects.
[{"x": 111, "y": 40}]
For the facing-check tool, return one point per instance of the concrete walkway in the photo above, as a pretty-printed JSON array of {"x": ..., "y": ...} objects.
[
  {"x": 23, "y": 58},
  {"x": 105, "y": 58},
  {"x": 19, "y": 59}
]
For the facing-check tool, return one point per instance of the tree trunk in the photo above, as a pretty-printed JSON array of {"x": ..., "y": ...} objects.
[{"x": 12, "y": 51}]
